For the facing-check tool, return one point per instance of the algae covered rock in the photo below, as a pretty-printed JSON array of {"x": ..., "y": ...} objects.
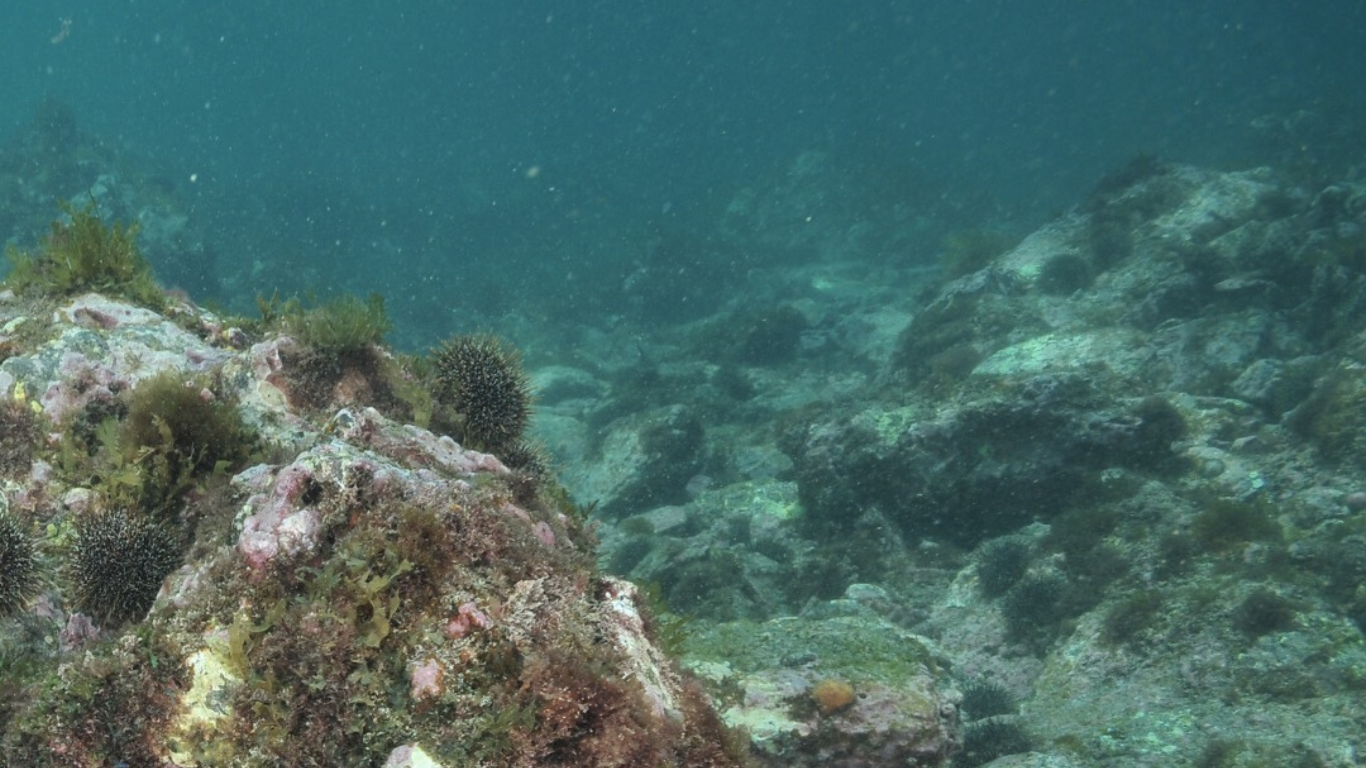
[
  {"x": 360, "y": 592},
  {"x": 1016, "y": 452},
  {"x": 850, "y": 690}
]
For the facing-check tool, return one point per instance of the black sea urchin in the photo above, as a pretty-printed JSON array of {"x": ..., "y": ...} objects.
[
  {"x": 984, "y": 699},
  {"x": 482, "y": 380},
  {"x": 1001, "y": 564},
  {"x": 117, "y": 565},
  {"x": 987, "y": 740},
  {"x": 18, "y": 566}
]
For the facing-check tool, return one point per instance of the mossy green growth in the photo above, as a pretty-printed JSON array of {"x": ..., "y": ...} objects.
[
  {"x": 176, "y": 434},
  {"x": 408, "y": 377},
  {"x": 1065, "y": 273},
  {"x": 669, "y": 630},
  {"x": 855, "y": 648},
  {"x": 344, "y": 324},
  {"x": 1264, "y": 611},
  {"x": 1225, "y": 524},
  {"x": 83, "y": 254},
  {"x": 1080, "y": 529},
  {"x": 1126, "y": 621},
  {"x": 325, "y": 639},
  {"x": 20, "y": 434},
  {"x": 100, "y": 709},
  {"x": 1332, "y": 416},
  {"x": 1081, "y": 534}
]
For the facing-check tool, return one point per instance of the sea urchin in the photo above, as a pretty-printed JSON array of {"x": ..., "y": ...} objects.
[
  {"x": 481, "y": 379},
  {"x": 117, "y": 565},
  {"x": 18, "y": 566}
]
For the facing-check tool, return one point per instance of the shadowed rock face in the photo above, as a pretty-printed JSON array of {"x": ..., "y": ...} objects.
[
  {"x": 645, "y": 460},
  {"x": 982, "y": 469},
  {"x": 1222, "y": 289}
]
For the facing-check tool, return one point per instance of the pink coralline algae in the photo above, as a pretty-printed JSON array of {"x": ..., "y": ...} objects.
[
  {"x": 543, "y": 531},
  {"x": 108, "y": 347},
  {"x": 95, "y": 311},
  {"x": 411, "y": 445},
  {"x": 34, "y": 494},
  {"x": 79, "y": 629},
  {"x": 426, "y": 679},
  {"x": 281, "y": 522},
  {"x": 265, "y": 357},
  {"x": 268, "y": 368},
  {"x": 82, "y": 382},
  {"x": 467, "y": 619},
  {"x": 277, "y": 526}
]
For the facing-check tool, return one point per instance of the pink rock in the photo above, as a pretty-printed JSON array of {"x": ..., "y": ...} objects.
[
  {"x": 467, "y": 619},
  {"x": 298, "y": 532},
  {"x": 544, "y": 533},
  {"x": 408, "y": 756},
  {"x": 258, "y": 548},
  {"x": 95, "y": 311},
  {"x": 413, "y": 446},
  {"x": 37, "y": 489},
  {"x": 79, "y": 628},
  {"x": 268, "y": 366},
  {"x": 425, "y": 680},
  {"x": 278, "y": 526},
  {"x": 40, "y": 472},
  {"x": 82, "y": 382},
  {"x": 44, "y": 608},
  {"x": 621, "y": 624},
  {"x": 265, "y": 357}
]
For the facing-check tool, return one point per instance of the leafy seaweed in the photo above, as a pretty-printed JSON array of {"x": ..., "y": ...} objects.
[{"x": 176, "y": 434}]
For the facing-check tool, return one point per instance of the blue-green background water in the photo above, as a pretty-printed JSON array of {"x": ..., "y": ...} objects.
[
  {"x": 483, "y": 154},
  {"x": 1118, "y": 472}
]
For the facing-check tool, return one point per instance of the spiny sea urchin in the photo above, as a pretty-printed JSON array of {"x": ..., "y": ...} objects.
[
  {"x": 482, "y": 380},
  {"x": 983, "y": 699},
  {"x": 18, "y": 566},
  {"x": 986, "y": 740},
  {"x": 527, "y": 457},
  {"x": 1001, "y": 563},
  {"x": 117, "y": 565}
]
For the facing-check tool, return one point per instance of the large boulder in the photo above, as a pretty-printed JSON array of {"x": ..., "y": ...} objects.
[
  {"x": 839, "y": 686},
  {"x": 364, "y": 592}
]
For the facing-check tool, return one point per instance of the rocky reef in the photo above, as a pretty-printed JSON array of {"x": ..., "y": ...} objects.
[
  {"x": 1090, "y": 494},
  {"x": 345, "y": 589},
  {"x": 1111, "y": 470}
]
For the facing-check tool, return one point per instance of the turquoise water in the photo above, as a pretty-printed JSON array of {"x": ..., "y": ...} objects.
[
  {"x": 1032, "y": 329},
  {"x": 392, "y": 145}
]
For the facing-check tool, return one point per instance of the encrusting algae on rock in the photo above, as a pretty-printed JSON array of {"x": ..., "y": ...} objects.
[{"x": 376, "y": 594}]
